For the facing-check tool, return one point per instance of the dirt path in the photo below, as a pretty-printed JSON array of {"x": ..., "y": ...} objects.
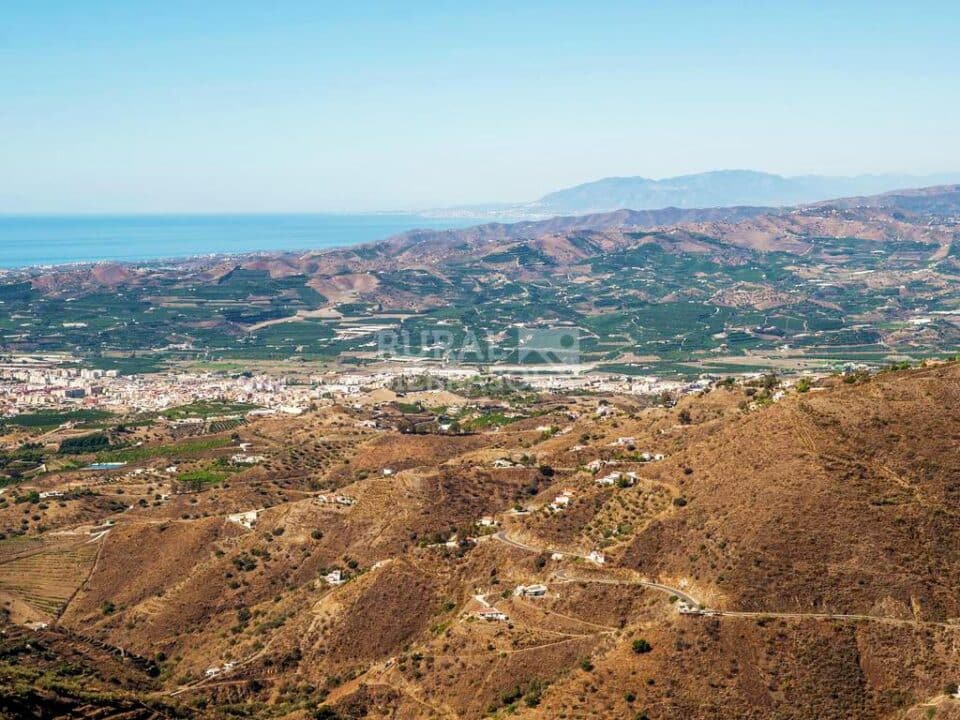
[
  {"x": 680, "y": 594},
  {"x": 93, "y": 568},
  {"x": 835, "y": 616},
  {"x": 601, "y": 629},
  {"x": 700, "y": 610}
]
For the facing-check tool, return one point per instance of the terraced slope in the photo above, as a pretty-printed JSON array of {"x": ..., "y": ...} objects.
[{"x": 38, "y": 577}]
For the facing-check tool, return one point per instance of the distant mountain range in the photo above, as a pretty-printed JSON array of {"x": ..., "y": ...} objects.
[{"x": 721, "y": 188}]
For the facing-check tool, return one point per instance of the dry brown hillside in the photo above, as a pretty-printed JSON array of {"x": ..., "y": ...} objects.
[
  {"x": 815, "y": 539},
  {"x": 842, "y": 501}
]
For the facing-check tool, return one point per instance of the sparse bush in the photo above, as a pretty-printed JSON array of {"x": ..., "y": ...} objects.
[
  {"x": 641, "y": 646},
  {"x": 244, "y": 563},
  {"x": 534, "y": 694}
]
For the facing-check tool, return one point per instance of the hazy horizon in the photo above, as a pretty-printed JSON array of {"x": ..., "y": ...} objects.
[
  {"x": 424, "y": 211},
  {"x": 240, "y": 107}
]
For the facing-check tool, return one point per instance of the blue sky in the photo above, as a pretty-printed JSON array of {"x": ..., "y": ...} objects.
[{"x": 257, "y": 106}]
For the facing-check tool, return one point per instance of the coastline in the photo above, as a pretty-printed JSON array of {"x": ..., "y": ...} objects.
[{"x": 33, "y": 244}]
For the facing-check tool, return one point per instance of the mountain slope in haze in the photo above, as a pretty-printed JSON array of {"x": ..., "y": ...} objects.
[
  {"x": 720, "y": 188},
  {"x": 754, "y": 227},
  {"x": 941, "y": 201},
  {"x": 864, "y": 278}
]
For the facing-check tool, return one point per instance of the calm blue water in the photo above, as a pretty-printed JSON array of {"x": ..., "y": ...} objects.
[{"x": 53, "y": 240}]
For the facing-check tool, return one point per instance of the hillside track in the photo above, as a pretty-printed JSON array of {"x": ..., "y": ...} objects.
[{"x": 709, "y": 612}]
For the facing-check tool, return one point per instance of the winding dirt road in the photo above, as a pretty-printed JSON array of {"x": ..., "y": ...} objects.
[
  {"x": 699, "y": 609},
  {"x": 680, "y": 594}
]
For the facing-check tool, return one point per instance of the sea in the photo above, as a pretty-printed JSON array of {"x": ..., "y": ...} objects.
[{"x": 43, "y": 240}]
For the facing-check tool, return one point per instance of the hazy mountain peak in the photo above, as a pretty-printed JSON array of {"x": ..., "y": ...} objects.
[{"x": 718, "y": 188}]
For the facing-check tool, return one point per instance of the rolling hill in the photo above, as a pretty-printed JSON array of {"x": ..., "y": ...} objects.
[{"x": 811, "y": 535}]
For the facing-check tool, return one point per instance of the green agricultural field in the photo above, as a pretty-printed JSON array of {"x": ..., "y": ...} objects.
[
  {"x": 207, "y": 408},
  {"x": 186, "y": 448},
  {"x": 50, "y": 420},
  {"x": 203, "y": 476}
]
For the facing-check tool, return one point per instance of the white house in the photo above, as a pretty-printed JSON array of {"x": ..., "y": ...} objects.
[
  {"x": 609, "y": 479},
  {"x": 605, "y": 411},
  {"x": 596, "y": 557},
  {"x": 246, "y": 519},
  {"x": 334, "y": 578},
  {"x": 530, "y": 590},
  {"x": 491, "y": 615},
  {"x": 487, "y": 521},
  {"x": 630, "y": 478}
]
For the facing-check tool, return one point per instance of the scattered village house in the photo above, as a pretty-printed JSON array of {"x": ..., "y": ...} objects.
[
  {"x": 530, "y": 590},
  {"x": 243, "y": 459},
  {"x": 562, "y": 500},
  {"x": 613, "y": 478}
]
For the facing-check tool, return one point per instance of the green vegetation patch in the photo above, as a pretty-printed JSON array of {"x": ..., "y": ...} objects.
[
  {"x": 180, "y": 449},
  {"x": 51, "y": 420},
  {"x": 207, "y": 408},
  {"x": 203, "y": 476},
  {"x": 95, "y": 442}
]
